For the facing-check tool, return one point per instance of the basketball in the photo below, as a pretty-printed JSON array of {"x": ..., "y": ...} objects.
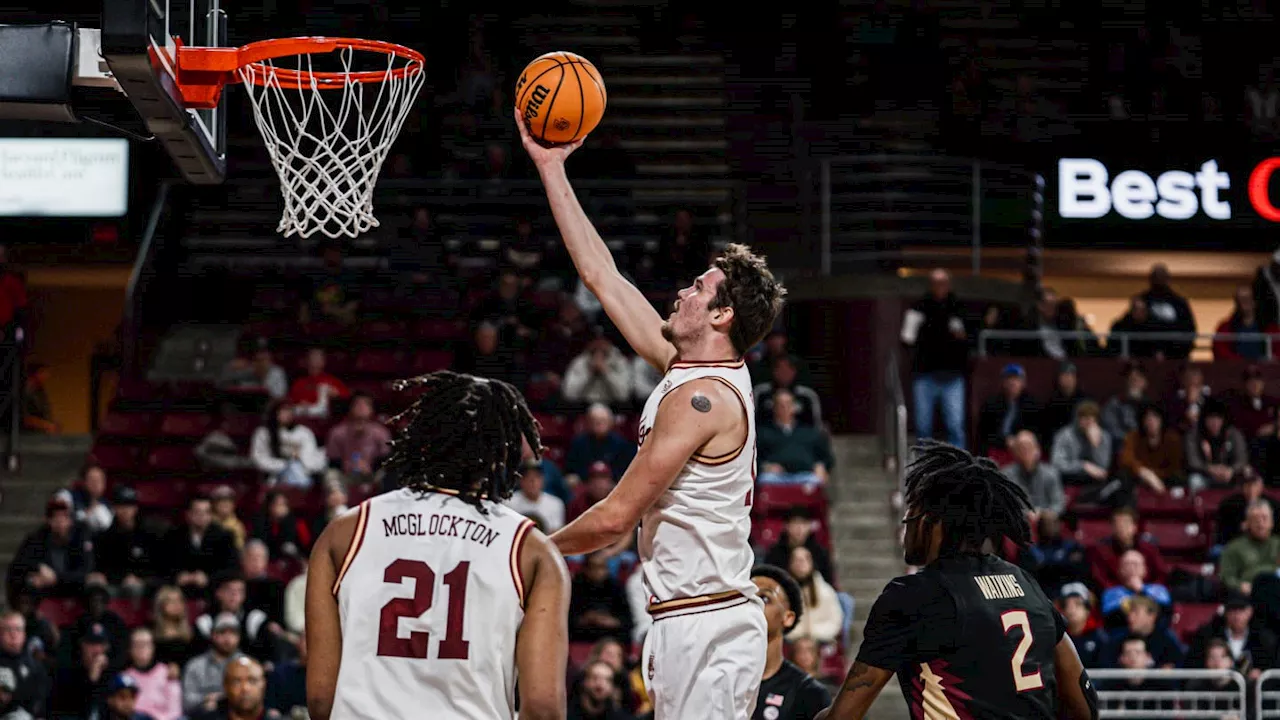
[{"x": 561, "y": 97}]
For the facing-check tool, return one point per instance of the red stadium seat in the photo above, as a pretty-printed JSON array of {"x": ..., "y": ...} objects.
[
  {"x": 832, "y": 665},
  {"x": 319, "y": 426},
  {"x": 438, "y": 330},
  {"x": 382, "y": 363},
  {"x": 1177, "y": 537},
  {"x": 578, "y": 653},
  {"x": 1089, "y": 532},
  {"x": 60, "y": 612},
  {"x": 171, "y": 460},
  {"x": 554, "y": 453},
  {"x": 241, "y": 425},
  {"x": 1211, "y": 498},
  {"x": 195, "y": 608},
  {"x": 1152, "y": 506},
  {"x": 115, "y": 458},
  {"x": 766, "y": 532},
  {"x": 127, "y": 426},
  {"x": 383, "y": 331},
  {"x": 130, "y": 390},
  {"x": 134, "y": 612},
  {"x": 555, "y": 428},
  {"x": 778, "y": 499},
  {"x": 162, "y": 494},
  {"x": 1189, "y": 617},
  {"x": 429, "y": 361},
  {"x": 186, "y": 425}
]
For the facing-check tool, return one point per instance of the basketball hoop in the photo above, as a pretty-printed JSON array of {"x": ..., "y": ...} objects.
[{"x": 326, "y": 132}]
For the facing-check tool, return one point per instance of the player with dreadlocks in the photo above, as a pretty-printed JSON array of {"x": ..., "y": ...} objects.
[
  {"x": 435, "y": 597},
  {"x": 969, "y": 635}
]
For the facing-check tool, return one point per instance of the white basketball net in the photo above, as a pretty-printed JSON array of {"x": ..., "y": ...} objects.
[{"x": 328, "y": 143}]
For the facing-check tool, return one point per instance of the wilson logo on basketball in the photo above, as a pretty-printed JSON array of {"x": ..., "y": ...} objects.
[{"x": 540, "y": 94}]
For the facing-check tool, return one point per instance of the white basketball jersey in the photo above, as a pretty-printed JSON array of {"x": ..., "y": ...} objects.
[
  {"x": 695, "y": 541},
  {"x": 430, "y": 598}
]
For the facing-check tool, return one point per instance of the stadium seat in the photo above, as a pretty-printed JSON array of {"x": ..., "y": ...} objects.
[
  {"x": 1152, "y": 506},
  {"x": 186, "y": 425},
  {"x": 382, "y": 363},
  {"x": 241, "y": 425},
  {"x": 162, "y": 494},
  {"x": 1189, "y": 617},
  {"x": 383, "y": 331},
  {"x": 1089, "y": 532},
  {"x": 1211, "y": 498},
  {"x": 429, "y": 361},
  {"x": 60, "y": 612},
  {"x": 555, "y": 428},
  {"x": 578, "y": 654},
  {"x": 832, "y": 665},
  {"x": 1176, "y": 537},
  {"x": 438, "y": 330},
  {"x": 319, "y": 426},
  {"x": 134, "y": 612},
  {"x": 195, "y": 608},
  {"x": 778, "y": 499},
  {"x": 115, "y": 458},
  {"x": 127, "y": 426},
  {"x": 171, "y": 460}
]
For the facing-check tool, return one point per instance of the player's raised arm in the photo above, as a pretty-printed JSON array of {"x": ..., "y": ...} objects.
[
  {"x": 626, "y": 306},
  {"x": 542, "y": 645},
  {"x": 1077, "y": 698},
  {"x": 691, "y": 416},
  {"x": 324, "y": 628}
]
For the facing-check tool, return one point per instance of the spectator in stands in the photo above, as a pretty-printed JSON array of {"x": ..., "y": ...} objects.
[
  {"x": 1055, "y": 558},
  {"x": 1153, "y": 455},
  {"x": 1217, "y": 454},
  {"x": 121, "y": 700},
  {"x": 822, "y": 618},
  {"x": 600, "y": 374},
  {"x": 287, "y": 684},
  {"x": 295, "y": 606},
  {"x": 357, "y": 445},
  {"x": 159, "y": 692},
  {"x": 198, "y": 549},
  {"x": 229, "y": 597},
  {"x": 683, "y": 251},
  {"x": 98, "y": 614},
  {"x": 532, "y": 501},
  {"x": 218, "y": 451},
  {"x": 1136, "y": 322},
  {"x": 1133, "y": 655},
  {"x": 335, "y": 503},
  {"x": 1266, "y": 290},
  {"x": 53, "y": 559},
  {"x": 509, "y": 309},
  {"x": 1171, "y": 313},
  {"x": 31, "y": 681},
  {"x": 261, "y": 373},
  {"x": 262, "y": 591},
  {"x": 1253, "y": 553},
  {"x": 1249, "y": 342},
  {"x": 1216, "y": 656},
  {"x": 771, "y": 348},
  {"x": 490, "y": 357},
  {"x": 285, "y": 450},
  {"x": 597, "y": 696},
  {"x": 1104, "y": 557},
  {"x": 1251, "y": 646},
  {"x": 1185, "y": 406},
  {"x": 37, "y": 410},
  {"x": 1082, "y": 451},
  {"x": 935, "y": 328},
  {"x": 1038, "y": 478},
  {"x": 1006, "y": 414},
  {"x": 798, "y": 532},
  {"x": 1043, "y": 318},
  {"x": 80, "y": 681},
  {"x": 1121, "y": 413},
  {"x": 1253, "y": 411},
  {"x": 1231, "y": 511},
  {"x": 311, "y": 394},
  {"x": 88, "y": 499},
  {"x": 330, "y": 293},
  {"x": 595, "y": 488},
  {"x": 1075, "y": 602},
  {"x": 1142, "y": 615},
  {"x": 561, "y": 341},
  {"x": 784, "y": 371},
  {"x": 9, "y": 707},
  {"x": 125, "y": 554},
  {"x": 202, "y": 676},
  {"x": 598, "y": 605},
  {"x": 285, "y": 534},
  {"x": 789, "y": 452},
  {"x": 524, "y": 250},
  {"x": 223, "y": 499},
  {"x": 171, "y": 628},
  {"x": 1060, "y": 409},
  {"x": 244, "y": 691},
  {"x": 41, "y": 635},
  {"x": 1133, "y": 580},
  {"x": 599, "y": 442}
]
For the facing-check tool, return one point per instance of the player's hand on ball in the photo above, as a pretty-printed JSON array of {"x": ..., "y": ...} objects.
[{"x": 543, "y": 155}]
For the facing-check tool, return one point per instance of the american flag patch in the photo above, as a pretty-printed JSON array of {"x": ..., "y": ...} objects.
[{"x": 774, "y": 699}]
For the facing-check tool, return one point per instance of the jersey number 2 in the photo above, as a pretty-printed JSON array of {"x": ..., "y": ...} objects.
[
  {"x": 452, "y": 647},
  {"x": 1023, "y": 681}
]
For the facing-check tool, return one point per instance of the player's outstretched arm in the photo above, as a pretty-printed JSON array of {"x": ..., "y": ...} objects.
[
  {"x": 324, "y": 629},
  {"x": 542, "y": 646},
  {"x": 1077, "y": 698},
  {"x": 690, "y": 416},
  {"x": 860, "y": 689},
  {"x": 626, "y": 306}
]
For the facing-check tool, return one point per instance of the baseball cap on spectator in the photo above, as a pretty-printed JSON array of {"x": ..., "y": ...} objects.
[
  {"x": 57, "y": 503},
  {"x": 96, "y": 635},
  {"x": 599, "y": 467},
  {"x": 1074, "y": 589},
  {"x": 1237, "y": 600},
  {"x": 223, "y": 492},
  {"x": 1213, "y": 406},
  {"x": 124, "y": 495},
  {"x": 226, "y": 621},
  {"x": 120, "y": 682},
  {"x": 1067, "y": 368},
  {"x": 1013, "y": 370}
]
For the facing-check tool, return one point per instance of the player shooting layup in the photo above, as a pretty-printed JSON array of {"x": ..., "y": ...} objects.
[
  {"x": 692, "y": 478},
  {"x": 427, "y": 601}
]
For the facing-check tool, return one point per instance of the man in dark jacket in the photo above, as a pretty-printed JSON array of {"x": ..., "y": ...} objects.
[
  {"x": 199, "y": 549},
  {"x": 55, "y": 558},
  {"x": 125, "y": 553},
  {"x": 935, "y": 328},
  {"x": 1252, "y": 646},
  {"x": 1170, "y": 311},
  {"x": 31, "y": 682},
  {"x": 1006, "y": 414}
]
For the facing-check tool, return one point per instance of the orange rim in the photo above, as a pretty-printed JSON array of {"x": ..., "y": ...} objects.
[{"x": 196, "y": 64}]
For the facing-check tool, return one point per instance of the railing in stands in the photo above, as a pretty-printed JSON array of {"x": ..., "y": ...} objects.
[
  {"x": 1267, "y": 702},
  {"x": 142, "y": 266},
  {"x": 895, "y": 440},
  {"x": 1123, "y": 339},
  {"x": 1116, "y": 701},
  {"x": 13, "y": 366}
]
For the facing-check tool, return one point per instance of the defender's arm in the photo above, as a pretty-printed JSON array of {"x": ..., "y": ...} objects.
[
  {"x": 625, "y": 305},
  {"x": 542, "y": 645},
  {"x": 1077, "y": 697},
  {"x": 689, "y": 417},
  {"x": 860, "y": 689}
]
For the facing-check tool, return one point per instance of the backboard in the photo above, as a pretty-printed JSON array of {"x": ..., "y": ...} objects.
[{"x": 138, "y": 42}]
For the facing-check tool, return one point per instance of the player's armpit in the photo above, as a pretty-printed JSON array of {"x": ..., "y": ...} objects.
[
  {"x": 323, "y": 627},
  {"x": 860, "y": 689},
  {"x": 679, "y": 431},
  {"x": 1077, "y": 697},
  {"x": 542, "y": 645}
]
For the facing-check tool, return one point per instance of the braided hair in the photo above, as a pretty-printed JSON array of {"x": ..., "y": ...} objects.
[
  {"x": 972, "y": 499},
  {"x": 463, "y": 435}
]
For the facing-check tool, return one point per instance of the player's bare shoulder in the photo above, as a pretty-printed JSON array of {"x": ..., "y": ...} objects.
[{"x": 541, "y": 562}]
